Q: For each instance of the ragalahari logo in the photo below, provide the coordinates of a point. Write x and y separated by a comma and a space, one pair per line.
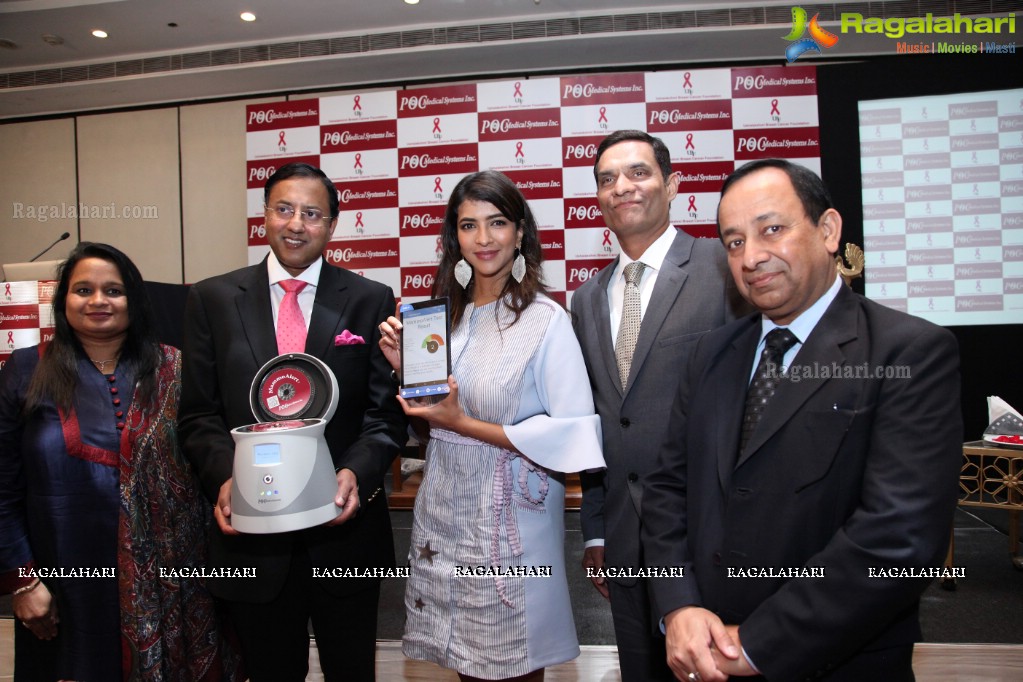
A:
818, 36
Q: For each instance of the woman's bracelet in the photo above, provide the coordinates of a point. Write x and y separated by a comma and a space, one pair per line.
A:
26, 588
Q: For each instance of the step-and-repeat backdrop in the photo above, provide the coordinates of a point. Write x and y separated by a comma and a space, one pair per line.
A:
26, 315
395, 156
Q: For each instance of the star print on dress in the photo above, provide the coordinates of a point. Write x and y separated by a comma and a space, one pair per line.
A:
427, 553
420, 604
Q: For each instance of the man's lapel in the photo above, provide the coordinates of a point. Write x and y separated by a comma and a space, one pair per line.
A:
601, 311
728, 394
666, 290
328, 311
819, 356
256, 314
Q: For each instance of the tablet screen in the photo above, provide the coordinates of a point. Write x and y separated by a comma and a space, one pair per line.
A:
425, 360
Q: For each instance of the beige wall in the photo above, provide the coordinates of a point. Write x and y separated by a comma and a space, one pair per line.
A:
128, 173
212, 182
38, 191
163, 185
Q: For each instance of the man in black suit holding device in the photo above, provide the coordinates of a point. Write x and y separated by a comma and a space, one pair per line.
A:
237, 322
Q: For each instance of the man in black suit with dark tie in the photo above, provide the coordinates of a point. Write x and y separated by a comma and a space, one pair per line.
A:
784, 494
233, 326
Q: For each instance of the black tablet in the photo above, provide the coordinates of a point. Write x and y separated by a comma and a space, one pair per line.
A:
425, 358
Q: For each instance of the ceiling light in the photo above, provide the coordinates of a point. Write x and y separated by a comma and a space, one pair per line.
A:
52, 40
411, 2
99, 33
248, 16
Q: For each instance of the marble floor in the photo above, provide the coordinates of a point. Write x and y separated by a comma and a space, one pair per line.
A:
932, 662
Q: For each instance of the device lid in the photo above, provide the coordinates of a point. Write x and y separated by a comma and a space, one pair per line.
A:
291, 387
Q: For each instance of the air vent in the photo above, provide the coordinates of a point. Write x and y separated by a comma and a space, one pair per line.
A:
384, 41
523, 30
496, 32
286, 51
589, 25
490, 33
713, 17
676, 20
314, 48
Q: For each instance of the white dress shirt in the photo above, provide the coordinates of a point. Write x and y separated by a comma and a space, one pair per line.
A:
653, 259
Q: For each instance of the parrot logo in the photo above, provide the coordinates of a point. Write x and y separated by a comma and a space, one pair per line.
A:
818, 36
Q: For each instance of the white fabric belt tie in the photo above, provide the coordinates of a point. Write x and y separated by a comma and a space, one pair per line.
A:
502, 509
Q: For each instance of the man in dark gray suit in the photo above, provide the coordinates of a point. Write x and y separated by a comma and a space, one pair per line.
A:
681, 290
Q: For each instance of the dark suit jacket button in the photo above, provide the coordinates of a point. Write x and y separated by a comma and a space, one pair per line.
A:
624, 422
717, 558
633, 477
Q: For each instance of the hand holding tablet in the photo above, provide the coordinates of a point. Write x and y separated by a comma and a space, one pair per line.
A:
425, 355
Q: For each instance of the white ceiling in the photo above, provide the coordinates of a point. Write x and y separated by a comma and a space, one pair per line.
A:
138, 29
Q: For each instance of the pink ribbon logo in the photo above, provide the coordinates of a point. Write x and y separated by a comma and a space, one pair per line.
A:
689, 141
436, 185
686, 83
358, 219
518, 150
603, 117
358, 161
518, 89
692, 202
10, 338
436, 125
774, 107
280, 138
357, 106
607, 238
7, 288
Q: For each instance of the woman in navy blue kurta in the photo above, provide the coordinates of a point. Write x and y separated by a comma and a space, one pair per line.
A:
96, 497
61, 490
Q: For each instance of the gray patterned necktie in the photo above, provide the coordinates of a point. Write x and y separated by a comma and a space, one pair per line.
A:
632, 315
765, 380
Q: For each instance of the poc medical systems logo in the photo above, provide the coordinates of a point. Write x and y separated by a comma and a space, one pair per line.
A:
818, 36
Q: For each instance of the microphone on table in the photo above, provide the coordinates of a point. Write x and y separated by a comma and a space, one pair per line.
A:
55, 242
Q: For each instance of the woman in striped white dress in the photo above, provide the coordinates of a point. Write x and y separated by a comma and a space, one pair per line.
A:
488, 595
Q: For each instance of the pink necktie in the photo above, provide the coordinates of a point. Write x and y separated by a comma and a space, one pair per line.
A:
290, 323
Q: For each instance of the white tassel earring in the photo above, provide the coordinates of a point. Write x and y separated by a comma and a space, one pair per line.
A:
463, 273
519, 266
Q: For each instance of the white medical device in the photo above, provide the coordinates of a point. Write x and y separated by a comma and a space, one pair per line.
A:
284, 477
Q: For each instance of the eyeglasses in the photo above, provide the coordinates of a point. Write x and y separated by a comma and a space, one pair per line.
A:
311, 217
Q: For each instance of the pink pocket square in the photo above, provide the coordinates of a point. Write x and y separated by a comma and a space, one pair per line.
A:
346, 338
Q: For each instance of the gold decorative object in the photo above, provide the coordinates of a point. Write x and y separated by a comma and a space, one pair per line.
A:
854, 257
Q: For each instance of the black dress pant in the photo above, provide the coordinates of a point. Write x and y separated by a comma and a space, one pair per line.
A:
274, 635
641, 654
